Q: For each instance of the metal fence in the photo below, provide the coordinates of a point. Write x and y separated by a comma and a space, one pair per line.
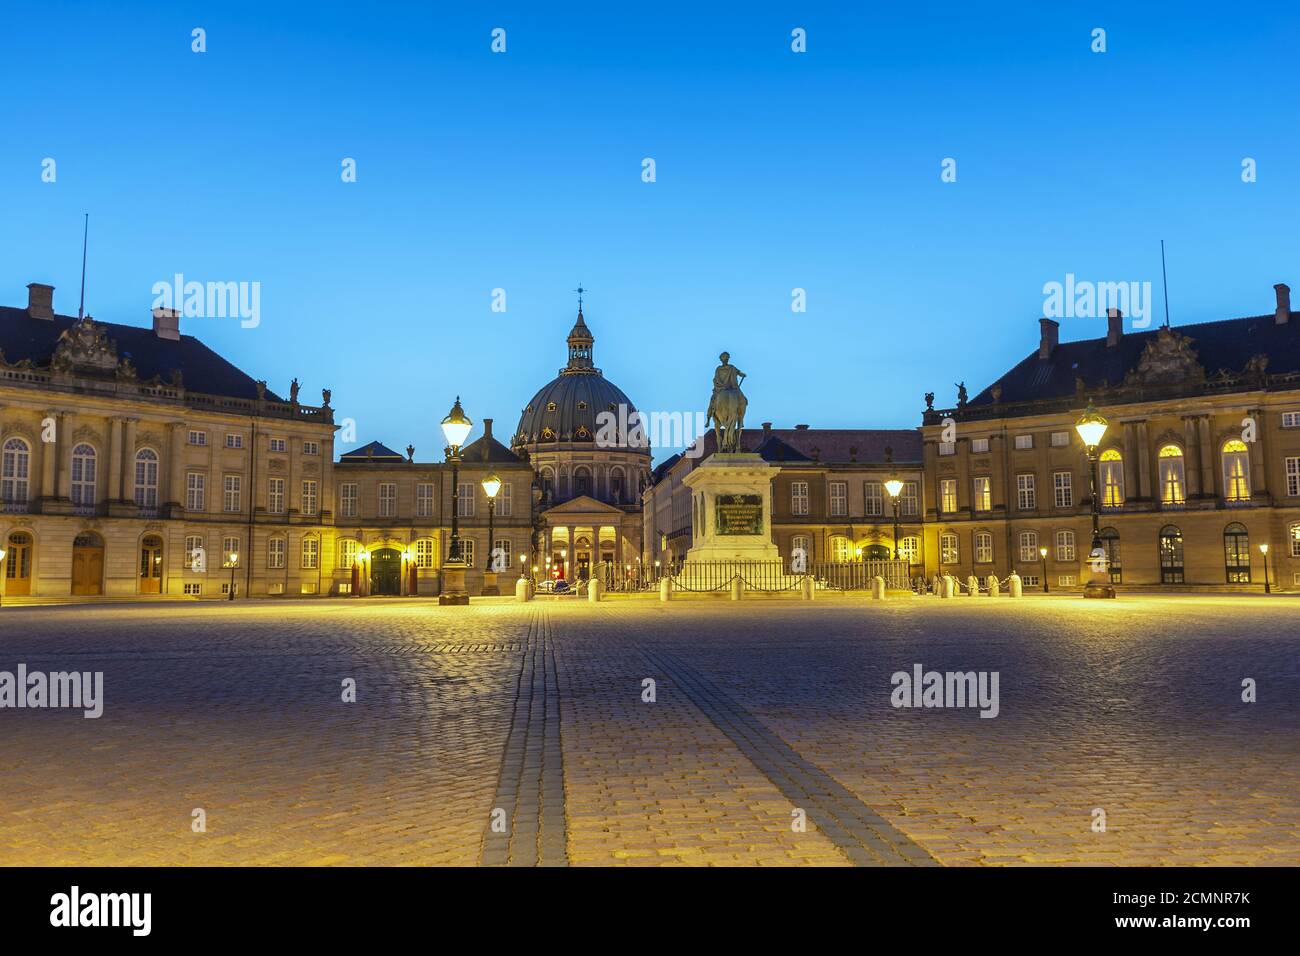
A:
771, 576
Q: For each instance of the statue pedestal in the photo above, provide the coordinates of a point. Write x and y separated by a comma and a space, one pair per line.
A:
731, 509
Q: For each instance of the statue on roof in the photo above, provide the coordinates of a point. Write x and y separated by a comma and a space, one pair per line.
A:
961, 394
727, 405
293, 391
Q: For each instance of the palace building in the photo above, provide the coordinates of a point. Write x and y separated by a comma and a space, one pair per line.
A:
1199, 465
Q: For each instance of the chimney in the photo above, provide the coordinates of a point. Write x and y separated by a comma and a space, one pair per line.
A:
1283, 314
801, 428
40, 301
167, 324
487, 428
1114, 327
1049, 334
767, 430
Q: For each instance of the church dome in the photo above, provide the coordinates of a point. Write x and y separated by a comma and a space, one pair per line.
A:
563, 412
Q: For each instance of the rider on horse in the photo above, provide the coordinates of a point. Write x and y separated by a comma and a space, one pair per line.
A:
728, 420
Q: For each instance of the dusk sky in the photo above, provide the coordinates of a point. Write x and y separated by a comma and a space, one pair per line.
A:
775, 170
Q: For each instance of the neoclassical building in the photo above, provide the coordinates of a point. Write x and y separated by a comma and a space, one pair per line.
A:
590, 486
1200, 464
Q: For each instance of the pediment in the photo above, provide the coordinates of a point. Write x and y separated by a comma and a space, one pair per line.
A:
584, 505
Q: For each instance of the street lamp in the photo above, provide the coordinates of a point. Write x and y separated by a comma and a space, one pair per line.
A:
233, 561
1091, 426
491, 485
895, 488
1263, 549
1042, 554
456, 428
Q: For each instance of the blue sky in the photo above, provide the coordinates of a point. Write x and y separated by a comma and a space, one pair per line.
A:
522, 171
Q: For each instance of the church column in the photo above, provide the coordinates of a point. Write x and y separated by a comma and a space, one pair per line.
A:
113, 463
128, 459
1194, 454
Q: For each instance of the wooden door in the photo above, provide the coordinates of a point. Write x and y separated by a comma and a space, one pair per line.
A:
151, 566
87, 570
18, 565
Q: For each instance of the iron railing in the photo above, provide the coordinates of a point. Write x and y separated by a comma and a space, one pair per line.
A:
770, 576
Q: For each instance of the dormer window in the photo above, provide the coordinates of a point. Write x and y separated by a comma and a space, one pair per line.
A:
550, 406
582, 406
583, 433
548, 434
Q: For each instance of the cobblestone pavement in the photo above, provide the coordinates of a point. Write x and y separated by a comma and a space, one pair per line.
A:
520, 734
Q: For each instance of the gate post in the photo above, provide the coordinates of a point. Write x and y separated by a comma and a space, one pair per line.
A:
878, 588
1014, 585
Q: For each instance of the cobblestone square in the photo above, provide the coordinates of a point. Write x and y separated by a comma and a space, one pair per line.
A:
533, 717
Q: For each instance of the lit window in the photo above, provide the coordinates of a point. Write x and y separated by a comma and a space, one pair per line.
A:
983, 489
1295, 540
840, 548
195, 556
909, 549
1236, 470
501, 555
983, 547
948, 495
310, 553
1236, 553
1065, 546
800, 552
230, 552
1171, 475
467, 551
1112, 478
947, 548
425, 555
348, 548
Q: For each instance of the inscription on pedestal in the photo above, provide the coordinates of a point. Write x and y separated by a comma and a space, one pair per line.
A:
739, 514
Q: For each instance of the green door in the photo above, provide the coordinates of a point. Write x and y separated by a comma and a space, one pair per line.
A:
386, 571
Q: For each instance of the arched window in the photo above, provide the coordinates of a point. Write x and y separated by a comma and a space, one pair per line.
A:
1112, 478
1110, 547
616, 485
1236, 553
1171, 555
426, 554
841, 549
146, 478
1236, 470
948, 552
801, 550
83, 476
581, 482
909, 549
15, 467
1065, 546
1172, 478
548, 483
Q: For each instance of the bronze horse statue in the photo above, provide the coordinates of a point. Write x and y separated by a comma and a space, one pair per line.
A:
727, 406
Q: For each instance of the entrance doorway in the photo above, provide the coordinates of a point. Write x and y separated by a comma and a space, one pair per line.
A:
386, 571
88, 564
151, 564
18, 564
877, 552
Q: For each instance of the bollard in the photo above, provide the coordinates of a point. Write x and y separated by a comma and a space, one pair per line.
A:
878, 588
666, 589
594, 589
737, 588
522, 592
973, 583
995, 588
947, 586
806, 587
1013, 585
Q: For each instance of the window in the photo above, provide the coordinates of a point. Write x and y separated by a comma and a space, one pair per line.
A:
983, 493
1236, 553
195, 555
467, 551
1026, 497
348, 499
275, 549
425, 555
310, 553
348, 549
1066, 580
910, 497
196, 491
909, 549
947, 448
1295, 540
1236, 470
1029, 580
192, 588
501, 555
198, 437
948, 495
841, 550
1065, 546
799, 497
1029, 546
1171, 476
800, 552
1060, 439
1063, 489
1291, 419
234, 441
979, 446
14, 469
616, 485
311, 448
1112, 478
83, 476
1171, 554
423, 499
387, 499
230, 552
1293, 476
948, 548
839, 499
146, 478
231, 488
1024, 441
1110, 549
871, 496
309, 487
279, 444
504, 499
465, 499
581, 481
275, 496
983, 547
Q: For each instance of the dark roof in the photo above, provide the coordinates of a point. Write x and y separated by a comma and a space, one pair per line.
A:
665, 466
203, 370
829, 445
488, 449
1226, 344
374, 451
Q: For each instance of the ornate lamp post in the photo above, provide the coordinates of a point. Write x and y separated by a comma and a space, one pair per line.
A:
895, 488
1263, 549
491, 485
232, 562
1091, 427
1042, 555
456, 428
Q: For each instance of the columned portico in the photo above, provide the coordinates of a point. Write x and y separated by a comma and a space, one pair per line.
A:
588, 531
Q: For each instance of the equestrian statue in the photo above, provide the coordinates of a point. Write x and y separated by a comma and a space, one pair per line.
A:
727, 406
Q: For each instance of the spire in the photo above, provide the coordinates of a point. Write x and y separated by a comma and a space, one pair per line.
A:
580, 341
